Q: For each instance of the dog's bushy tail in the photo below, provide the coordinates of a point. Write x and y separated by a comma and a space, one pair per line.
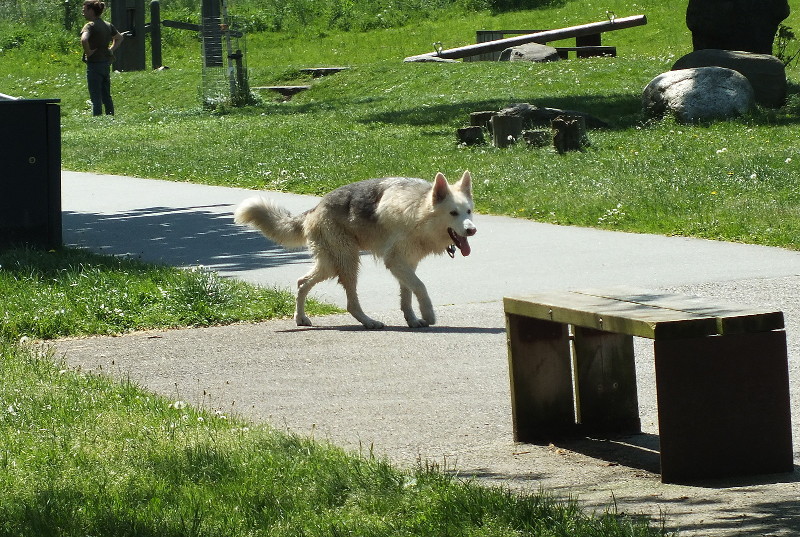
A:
273, 221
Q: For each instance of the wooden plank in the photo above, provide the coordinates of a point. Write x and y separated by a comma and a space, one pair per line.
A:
723, 406
612, 315
606, 382
540, 371
731, 317
646, 313
317, 72
539, 37
286, 91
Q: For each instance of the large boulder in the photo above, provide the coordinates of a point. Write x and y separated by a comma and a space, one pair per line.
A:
766, 73
530, 52
747, 25
699, 94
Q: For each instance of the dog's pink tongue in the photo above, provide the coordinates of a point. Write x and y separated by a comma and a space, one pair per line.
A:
463, 245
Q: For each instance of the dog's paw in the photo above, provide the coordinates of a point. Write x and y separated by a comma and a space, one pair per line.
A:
302, 320
417, 323
372, 324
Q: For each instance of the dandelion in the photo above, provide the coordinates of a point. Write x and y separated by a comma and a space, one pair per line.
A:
723, 150
788, 160
753, 176
11, 410
178, 405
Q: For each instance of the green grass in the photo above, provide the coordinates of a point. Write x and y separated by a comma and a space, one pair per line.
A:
45, 295
729, 180
80, 455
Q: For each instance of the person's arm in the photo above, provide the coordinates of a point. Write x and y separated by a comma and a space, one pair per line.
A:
87, 50
116, 41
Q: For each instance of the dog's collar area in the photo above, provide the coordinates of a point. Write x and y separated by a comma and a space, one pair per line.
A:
451, 251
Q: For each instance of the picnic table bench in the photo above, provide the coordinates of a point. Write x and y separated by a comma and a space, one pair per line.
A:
721, 371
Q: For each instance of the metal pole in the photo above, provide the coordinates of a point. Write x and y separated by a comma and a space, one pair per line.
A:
538, 37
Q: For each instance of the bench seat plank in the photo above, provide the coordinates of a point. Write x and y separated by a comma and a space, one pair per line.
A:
643, 313
731, 317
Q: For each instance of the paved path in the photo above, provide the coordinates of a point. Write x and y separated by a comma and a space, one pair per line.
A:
439, 394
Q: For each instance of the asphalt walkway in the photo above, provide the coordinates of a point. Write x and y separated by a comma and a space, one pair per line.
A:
439, 394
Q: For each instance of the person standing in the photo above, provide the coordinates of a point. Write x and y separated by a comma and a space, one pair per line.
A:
99, 41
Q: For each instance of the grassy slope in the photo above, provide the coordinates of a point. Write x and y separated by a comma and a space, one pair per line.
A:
731, 180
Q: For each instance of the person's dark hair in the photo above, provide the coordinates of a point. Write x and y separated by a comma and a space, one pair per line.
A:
96, 6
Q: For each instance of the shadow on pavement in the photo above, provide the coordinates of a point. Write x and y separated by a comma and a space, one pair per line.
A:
204, 235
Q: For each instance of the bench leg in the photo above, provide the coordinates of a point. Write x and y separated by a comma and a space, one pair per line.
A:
606, 382
723, 406
540, 370
587, 41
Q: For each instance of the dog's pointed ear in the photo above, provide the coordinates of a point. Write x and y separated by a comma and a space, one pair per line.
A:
440, 188
464, 184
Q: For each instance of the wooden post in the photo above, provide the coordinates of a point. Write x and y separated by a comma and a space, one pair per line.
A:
505, 130
155, 34
470, 135
569, 133
537, 138
482, 119
540, 371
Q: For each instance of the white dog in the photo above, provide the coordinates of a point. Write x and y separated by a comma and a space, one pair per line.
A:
398, 219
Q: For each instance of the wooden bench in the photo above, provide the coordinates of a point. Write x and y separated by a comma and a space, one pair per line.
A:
586, 46
721, 373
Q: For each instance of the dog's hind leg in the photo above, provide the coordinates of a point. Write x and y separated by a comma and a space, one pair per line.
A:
304, 285
341, 258
349, 279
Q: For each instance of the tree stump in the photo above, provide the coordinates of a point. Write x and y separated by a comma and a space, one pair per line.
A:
482, 119
569, 133
505, 130
470, 135
537, 138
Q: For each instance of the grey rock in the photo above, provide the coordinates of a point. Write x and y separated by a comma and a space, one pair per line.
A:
530, 52
698, 94
766, 73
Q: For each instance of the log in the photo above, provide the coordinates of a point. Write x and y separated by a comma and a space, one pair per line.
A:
482, 119
538, 37
569, 133
505, 130
537, 138
472, 135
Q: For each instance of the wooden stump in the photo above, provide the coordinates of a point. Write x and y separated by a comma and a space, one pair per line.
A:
569, 133
482, 119
537, 138
505, 130
470, 135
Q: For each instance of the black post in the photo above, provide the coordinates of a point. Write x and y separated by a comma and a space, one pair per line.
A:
155, 33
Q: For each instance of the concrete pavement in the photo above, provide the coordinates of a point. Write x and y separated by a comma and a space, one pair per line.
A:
186, 225
439, 394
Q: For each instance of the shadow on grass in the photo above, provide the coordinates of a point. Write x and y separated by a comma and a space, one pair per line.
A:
620, 111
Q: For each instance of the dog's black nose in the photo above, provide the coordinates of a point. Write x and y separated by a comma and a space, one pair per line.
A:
471, 231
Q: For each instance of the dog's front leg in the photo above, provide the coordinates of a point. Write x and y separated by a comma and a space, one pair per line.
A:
410, 283
408, 310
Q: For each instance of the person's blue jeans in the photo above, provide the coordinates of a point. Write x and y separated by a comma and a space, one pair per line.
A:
98, 78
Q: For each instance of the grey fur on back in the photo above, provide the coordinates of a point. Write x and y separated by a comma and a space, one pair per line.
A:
360, 200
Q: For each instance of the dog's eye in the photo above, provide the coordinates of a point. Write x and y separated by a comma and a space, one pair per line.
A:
453, 213
469, 211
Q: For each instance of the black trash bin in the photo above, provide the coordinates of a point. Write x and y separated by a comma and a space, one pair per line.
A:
30, 173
